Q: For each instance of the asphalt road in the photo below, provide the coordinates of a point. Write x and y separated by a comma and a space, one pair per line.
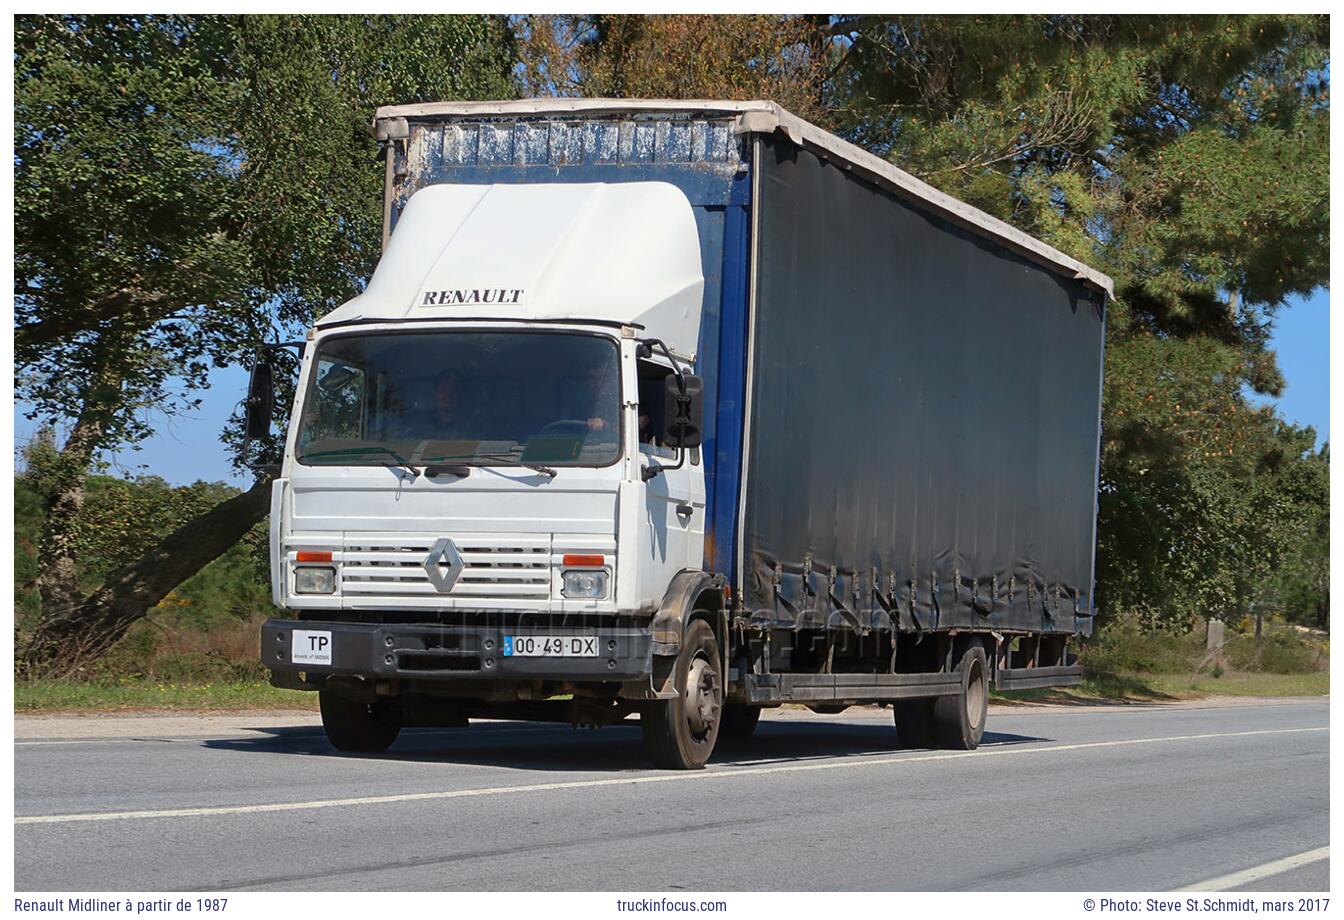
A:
1111, 798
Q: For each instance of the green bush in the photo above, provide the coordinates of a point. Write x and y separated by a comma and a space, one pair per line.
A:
1283, 651
208, 667
1124, 647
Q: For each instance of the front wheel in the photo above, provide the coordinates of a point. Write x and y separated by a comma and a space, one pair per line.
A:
679, 734
362, 728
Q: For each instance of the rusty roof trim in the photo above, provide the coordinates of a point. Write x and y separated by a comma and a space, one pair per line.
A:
765, 117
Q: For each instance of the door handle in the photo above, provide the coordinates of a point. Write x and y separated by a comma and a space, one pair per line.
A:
684, 510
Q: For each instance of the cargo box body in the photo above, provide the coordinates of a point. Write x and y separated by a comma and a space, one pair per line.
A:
902, 394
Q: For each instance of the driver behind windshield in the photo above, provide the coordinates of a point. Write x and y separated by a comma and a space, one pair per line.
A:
444, 420
600, 401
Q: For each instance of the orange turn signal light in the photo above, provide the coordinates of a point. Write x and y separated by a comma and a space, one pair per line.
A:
580, 560
310, 556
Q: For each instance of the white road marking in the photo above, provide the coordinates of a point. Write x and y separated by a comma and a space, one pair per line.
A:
1255, 873
94, 741
643, 779
313, 732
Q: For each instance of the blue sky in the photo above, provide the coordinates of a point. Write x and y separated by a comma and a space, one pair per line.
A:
1302, 340
187, 448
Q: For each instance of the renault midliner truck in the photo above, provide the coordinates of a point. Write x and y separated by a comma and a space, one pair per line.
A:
681, 410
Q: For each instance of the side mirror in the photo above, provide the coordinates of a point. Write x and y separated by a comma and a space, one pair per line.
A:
683, 413
260, 400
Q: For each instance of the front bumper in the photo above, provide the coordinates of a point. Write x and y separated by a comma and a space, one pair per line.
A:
434, 652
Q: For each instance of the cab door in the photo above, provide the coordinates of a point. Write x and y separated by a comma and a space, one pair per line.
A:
673, 525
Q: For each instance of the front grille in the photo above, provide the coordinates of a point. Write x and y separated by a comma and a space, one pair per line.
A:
505, 620
517, 568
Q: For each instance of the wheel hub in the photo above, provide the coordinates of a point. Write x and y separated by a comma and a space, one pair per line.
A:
702, 697
977, 696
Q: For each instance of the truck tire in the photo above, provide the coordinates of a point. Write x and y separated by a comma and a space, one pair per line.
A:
739, 721
959, 721
356, 727
679, 734
914, 722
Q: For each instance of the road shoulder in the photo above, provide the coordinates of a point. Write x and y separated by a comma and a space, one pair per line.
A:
242, 723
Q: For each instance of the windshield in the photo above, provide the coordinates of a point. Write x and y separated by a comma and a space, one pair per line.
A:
490, 398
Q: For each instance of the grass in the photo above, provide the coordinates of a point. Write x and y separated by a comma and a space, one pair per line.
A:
1137, 688
1245, 683
49, 696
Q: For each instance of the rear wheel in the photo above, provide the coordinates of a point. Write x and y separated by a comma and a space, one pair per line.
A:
739, 721
365, 728
679, 734
959, 721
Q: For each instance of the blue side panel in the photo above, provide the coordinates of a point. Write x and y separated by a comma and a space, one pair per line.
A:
723, 453
703, 158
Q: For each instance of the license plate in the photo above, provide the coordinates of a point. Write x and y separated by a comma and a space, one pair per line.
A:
550, 647
310, 647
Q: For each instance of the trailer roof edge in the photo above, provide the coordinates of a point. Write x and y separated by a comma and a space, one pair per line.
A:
764, 117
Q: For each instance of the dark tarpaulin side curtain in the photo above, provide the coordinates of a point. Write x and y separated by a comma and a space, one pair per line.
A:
924, 414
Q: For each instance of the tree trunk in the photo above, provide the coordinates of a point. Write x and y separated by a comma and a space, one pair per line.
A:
127, 308
57, 582
63, 643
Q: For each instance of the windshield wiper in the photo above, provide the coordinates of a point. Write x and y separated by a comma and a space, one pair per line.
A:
515, 461
343, 451
514, 458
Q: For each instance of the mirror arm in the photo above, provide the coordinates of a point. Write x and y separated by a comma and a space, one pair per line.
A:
654, 467
646, 350
269, 347
646, 346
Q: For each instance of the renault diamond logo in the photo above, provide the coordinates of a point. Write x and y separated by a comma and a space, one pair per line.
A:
443, 565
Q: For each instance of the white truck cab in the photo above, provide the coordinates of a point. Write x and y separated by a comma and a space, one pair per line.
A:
480, 479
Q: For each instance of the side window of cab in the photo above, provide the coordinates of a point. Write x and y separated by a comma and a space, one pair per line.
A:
652, 377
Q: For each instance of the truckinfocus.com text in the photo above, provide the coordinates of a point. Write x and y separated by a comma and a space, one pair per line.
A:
659, 905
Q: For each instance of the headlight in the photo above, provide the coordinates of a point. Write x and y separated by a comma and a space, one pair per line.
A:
581, 583
311, 579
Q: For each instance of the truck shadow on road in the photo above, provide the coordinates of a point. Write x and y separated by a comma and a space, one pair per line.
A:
559, 748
